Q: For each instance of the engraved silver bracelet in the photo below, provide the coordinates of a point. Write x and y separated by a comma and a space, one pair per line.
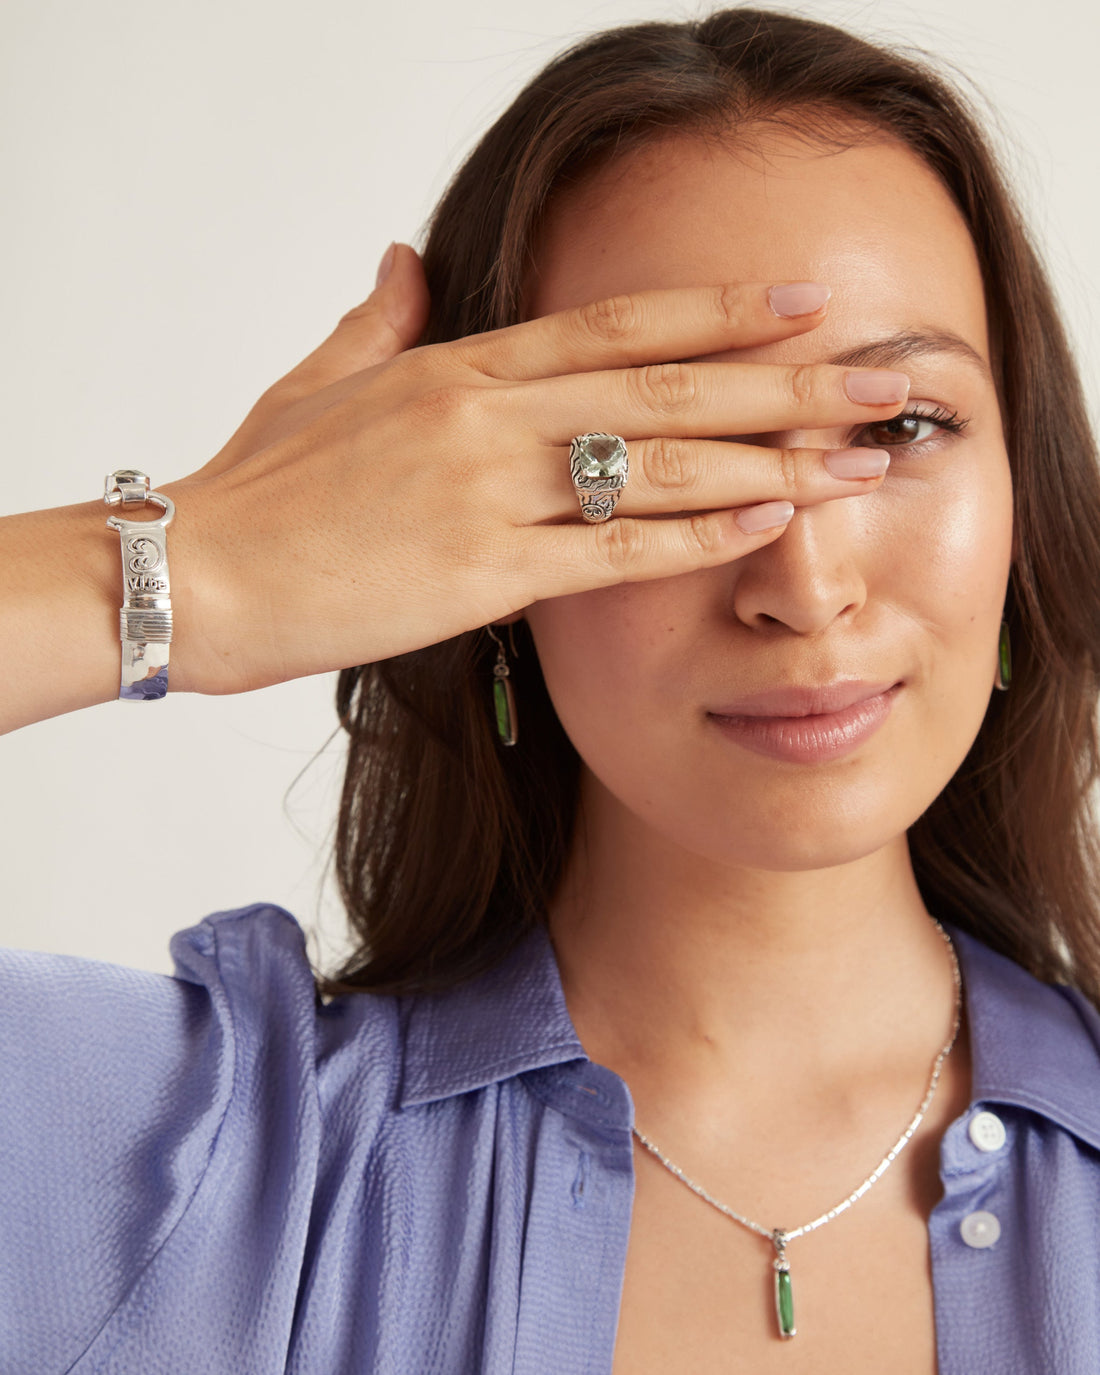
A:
145, 618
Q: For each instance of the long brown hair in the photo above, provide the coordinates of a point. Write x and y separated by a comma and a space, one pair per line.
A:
448, 846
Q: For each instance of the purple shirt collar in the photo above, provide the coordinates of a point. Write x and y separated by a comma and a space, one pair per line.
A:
1032, 1044
507, 1021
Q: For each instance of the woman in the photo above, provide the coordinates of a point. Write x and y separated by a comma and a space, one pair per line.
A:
754, 872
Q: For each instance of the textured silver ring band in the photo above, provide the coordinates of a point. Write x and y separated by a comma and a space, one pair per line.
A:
599, 468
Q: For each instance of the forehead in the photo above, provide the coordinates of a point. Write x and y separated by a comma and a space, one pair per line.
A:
871, 220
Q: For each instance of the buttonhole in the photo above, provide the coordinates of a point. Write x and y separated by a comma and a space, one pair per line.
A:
580, 1182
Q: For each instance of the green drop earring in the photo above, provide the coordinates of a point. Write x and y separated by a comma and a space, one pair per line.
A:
1004, 660
504, 699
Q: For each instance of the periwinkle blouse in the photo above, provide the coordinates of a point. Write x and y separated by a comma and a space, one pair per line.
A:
210, 1173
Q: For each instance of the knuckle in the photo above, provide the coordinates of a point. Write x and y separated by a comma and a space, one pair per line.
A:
790, 469
449, 404
666, 388
611, 319
620, 544
803, 382
282, 393
665, 465
359, 312
731, 305
420, 365
702, 537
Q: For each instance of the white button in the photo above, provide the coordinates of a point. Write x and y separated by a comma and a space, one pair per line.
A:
980, 1230
987, 1131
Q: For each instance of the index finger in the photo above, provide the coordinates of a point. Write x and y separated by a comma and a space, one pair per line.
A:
646, 327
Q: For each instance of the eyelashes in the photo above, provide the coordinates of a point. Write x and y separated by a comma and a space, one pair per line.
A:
896, 433
904, 431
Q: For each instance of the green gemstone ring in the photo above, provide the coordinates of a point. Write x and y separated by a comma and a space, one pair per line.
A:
598, 466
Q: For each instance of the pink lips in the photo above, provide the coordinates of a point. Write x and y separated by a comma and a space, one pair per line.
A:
808, 725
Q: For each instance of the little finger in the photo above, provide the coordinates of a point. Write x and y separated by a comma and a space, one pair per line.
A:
566, 559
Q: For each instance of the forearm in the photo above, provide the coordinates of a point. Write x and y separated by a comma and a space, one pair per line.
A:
60, 590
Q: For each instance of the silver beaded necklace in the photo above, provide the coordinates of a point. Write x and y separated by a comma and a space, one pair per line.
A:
780, 1236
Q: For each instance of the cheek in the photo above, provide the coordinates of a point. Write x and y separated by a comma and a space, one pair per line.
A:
945, 570
605, 654
950, 539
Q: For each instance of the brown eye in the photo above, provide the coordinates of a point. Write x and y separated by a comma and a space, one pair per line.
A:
903, 429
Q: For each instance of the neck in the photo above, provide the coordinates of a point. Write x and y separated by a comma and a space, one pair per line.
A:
690, 977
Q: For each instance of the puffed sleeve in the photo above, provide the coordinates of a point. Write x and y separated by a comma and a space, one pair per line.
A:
158, 1150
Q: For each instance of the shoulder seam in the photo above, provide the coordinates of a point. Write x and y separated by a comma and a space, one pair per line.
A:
215, 1138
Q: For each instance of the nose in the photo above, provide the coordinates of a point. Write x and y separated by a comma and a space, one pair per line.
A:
811, 575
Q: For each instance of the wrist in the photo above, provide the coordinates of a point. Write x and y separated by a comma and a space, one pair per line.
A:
210, 626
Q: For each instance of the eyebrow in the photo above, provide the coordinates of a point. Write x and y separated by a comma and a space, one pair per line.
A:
899, 348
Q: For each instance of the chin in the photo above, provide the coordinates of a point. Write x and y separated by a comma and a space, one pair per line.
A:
802, 851
795, 828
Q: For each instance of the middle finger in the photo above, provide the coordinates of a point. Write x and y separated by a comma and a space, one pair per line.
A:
706, 399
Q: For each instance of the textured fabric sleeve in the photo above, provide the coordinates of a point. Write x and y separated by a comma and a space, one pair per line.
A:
158, 1146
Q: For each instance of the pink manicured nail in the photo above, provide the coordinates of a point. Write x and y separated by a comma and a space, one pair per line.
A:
753, 519
385, 265
857, 462
876, 388
798, 298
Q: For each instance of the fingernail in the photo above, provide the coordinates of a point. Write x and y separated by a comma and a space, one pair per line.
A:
857, 462
876, 388
798, 298
764, 517
385, 265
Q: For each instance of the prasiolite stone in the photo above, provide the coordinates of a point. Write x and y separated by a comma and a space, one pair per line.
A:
601, 456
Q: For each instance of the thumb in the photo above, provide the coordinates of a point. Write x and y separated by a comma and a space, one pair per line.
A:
389, 321
393, 316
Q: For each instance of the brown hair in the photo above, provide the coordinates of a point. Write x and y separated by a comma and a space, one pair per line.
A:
449, 847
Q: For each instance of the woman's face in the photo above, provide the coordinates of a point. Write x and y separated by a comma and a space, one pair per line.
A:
903, 585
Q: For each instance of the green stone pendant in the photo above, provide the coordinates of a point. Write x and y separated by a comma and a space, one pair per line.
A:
505, 703
784, 1299
1004, 657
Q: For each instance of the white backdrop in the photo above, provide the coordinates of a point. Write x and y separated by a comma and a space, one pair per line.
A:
195, 191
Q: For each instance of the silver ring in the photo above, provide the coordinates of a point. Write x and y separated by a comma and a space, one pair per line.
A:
599, 469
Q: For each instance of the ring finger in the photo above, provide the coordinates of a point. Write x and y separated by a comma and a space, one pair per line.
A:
671, 475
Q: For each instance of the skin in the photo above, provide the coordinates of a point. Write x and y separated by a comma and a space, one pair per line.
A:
742, 939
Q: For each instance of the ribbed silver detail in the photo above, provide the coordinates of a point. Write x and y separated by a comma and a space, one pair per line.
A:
140, 626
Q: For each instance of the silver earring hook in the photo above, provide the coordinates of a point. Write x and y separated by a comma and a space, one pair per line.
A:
511, 638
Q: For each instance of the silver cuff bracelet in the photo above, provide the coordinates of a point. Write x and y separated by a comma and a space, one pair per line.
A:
145, 618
